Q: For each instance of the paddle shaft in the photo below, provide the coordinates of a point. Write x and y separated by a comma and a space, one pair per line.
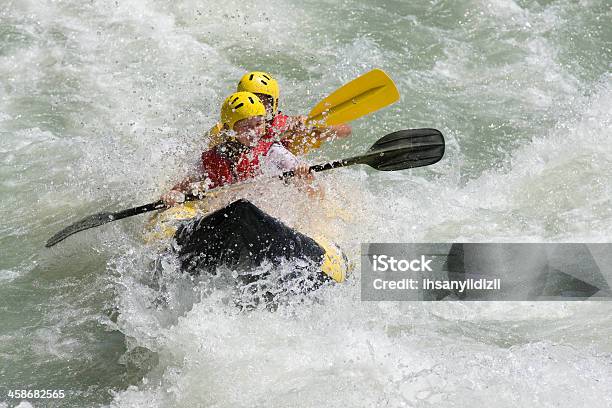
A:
326, 166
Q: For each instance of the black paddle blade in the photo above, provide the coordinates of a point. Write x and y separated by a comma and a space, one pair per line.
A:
102, 218
88, 222
405, 149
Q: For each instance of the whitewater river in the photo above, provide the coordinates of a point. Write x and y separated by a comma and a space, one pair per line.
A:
103, 106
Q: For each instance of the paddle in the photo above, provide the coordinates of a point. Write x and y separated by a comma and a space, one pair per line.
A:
363, 95
404, 149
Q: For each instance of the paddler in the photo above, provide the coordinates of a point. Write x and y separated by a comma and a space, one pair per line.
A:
246, 152
293, 132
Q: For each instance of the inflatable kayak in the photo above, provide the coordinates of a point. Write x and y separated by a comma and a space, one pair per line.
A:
242, 237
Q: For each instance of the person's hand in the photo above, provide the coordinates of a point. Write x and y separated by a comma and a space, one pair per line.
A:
173, 197
298, 123
302, 172
342, 130
305, 180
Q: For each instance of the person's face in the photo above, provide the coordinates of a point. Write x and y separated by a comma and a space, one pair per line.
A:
250, 130
268, 103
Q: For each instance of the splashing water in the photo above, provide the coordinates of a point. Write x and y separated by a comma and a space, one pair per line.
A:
104, 105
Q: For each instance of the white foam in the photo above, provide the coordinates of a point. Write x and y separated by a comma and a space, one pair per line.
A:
8, 275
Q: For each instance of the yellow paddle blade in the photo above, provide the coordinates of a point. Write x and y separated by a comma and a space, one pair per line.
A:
363, 95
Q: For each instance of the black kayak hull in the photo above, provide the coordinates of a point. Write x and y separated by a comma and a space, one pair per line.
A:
242, 238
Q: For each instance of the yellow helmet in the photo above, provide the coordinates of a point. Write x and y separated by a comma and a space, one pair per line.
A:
241, 105
260, 82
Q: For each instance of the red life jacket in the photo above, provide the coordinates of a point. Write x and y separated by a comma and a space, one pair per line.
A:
222, 168
276, 127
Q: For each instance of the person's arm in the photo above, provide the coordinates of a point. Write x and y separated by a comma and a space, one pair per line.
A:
213, 171
302, 137
279, 160
176, 195
305, 179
